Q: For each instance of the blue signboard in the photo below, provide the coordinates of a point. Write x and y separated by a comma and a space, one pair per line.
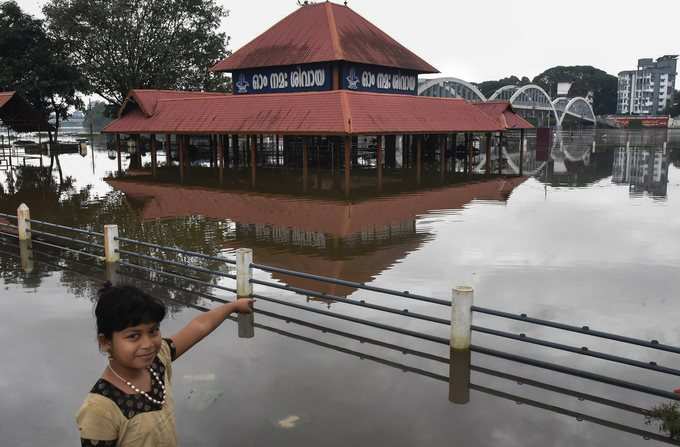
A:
369, 78
294, 78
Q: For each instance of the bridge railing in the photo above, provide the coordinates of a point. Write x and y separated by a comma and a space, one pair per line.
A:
245, 281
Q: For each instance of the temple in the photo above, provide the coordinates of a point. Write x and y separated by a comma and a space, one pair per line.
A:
322, 86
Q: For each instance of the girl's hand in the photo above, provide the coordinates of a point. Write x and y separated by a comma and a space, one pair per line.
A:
244, 305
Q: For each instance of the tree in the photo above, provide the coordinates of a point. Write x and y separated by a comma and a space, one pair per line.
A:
96, 116
584, 79
121, 45
489, 87
36, 66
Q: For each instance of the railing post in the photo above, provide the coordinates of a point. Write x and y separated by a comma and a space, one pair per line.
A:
244, 289
26, 254
24, 222
111, 243
461, 331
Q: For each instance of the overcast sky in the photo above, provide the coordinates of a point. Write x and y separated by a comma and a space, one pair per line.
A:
490, 39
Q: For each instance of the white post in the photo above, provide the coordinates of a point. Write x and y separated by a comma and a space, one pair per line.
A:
461, 317
594, 146
244, 289
23, 222
244, 272
111, 243
461, 326
26, 253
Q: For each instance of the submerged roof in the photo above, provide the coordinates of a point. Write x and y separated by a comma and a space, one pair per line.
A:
337, 112
323, 32
16, 113
503, 113
146, 100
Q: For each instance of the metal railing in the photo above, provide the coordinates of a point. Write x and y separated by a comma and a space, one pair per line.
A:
524, 381
244, 287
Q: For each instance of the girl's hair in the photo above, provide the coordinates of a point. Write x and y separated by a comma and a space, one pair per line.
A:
120, 307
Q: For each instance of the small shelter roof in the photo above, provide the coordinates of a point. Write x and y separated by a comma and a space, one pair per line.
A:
19, 115
504, 114
323, 32
336, 112
146, 100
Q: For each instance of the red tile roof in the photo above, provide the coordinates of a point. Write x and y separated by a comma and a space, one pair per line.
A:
338, 112
5, 97
146, 100
504, 114
320, 33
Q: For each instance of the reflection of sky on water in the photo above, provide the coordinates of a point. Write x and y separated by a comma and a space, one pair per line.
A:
578, 253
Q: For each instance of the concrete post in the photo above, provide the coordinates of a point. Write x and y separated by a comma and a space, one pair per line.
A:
461, 317
23, 222
244, 289
26, 254
111, 243
461, 327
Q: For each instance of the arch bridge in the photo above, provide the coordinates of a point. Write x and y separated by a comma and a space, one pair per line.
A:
531, 100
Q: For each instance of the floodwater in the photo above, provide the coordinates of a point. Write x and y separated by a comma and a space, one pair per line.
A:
588, 236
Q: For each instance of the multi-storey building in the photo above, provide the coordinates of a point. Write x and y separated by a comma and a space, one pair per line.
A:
649, 89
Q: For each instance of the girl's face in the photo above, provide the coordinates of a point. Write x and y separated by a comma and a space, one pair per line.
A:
135, 347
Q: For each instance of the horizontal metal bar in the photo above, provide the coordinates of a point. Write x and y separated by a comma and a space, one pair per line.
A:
352, 284
65, 238
521, 337
382, 326
576, 372
174, 275
581, 351
176, 250
362, 303
9, 226
176, 264
11, 216
63, 227
59, 247
654, 344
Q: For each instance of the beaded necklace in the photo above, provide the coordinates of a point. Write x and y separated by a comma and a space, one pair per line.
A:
143, 393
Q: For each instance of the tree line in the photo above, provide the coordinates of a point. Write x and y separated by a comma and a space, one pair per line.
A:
103, 47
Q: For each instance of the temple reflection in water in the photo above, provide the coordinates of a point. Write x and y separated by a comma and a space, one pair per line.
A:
350, 239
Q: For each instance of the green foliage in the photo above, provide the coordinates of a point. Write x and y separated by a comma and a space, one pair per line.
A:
674, 108
96, 116
667, 418
584, 78
160, 44
35, 65
489, 87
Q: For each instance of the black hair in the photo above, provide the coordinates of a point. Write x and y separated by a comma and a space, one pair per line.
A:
121, 307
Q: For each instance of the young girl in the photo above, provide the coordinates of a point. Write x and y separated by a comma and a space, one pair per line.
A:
131, 404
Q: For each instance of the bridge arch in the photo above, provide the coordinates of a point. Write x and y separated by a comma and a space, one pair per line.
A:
504, 92
457, 88
532, 96
580, 108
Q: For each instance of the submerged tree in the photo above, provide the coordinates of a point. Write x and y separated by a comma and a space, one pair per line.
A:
34, 64
121, 45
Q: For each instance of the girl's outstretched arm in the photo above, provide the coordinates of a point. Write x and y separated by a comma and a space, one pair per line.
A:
207, 322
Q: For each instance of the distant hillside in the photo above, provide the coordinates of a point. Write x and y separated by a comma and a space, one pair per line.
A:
584, 77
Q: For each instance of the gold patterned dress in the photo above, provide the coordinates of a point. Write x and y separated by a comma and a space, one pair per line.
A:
109, 417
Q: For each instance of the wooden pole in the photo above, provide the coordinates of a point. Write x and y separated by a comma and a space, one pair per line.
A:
168, 149
419, 153
442, 154
500, 153
305, 167
153, 155
521, 151
488, 154
454, 144
348, 163
379, 161
220, 155
181, 140
253, 160
118, 151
